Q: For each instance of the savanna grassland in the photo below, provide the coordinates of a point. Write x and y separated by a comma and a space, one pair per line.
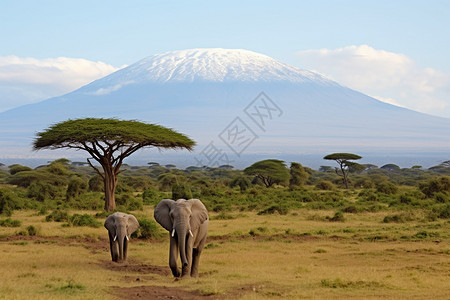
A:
387, 236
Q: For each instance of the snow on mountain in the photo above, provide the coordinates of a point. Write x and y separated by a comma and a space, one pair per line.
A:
208, 93
214, 65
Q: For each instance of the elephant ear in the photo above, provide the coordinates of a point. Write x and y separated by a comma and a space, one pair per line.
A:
162, 213
199, 213
133, 224
109, 224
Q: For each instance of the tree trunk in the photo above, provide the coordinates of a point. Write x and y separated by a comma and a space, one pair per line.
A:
110, 180
344, 174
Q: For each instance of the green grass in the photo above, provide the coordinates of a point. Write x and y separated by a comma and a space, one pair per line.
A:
247, 256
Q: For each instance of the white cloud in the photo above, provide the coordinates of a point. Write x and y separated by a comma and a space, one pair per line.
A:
28, 80
110, 89
390, 77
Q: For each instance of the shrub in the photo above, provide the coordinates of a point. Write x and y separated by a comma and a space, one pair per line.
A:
181, 191
9, 202
10, 223
338, 217
32, 230
441, 184
96, 184
129, 202
148, 229
149, 196
41, 191
29, 231
387, 188
13, 169
242, 182
277, 208
299, 176
84, 220
441, 197
89, 200
75, 188
325, 185
443, 211
364, 183
57, 216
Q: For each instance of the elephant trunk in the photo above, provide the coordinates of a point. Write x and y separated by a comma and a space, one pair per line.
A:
122, 241
182, 236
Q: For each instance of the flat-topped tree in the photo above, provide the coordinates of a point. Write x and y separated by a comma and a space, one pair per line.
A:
269, 171
343, 159
109, 142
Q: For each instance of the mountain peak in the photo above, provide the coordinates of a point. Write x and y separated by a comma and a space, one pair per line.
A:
213, 65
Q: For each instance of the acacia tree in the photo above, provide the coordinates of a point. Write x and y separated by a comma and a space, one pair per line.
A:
343, 159
270, 171
109, 142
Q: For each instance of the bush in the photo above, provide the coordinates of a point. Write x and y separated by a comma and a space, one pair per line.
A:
443, 211
13, 169
84, 220
57, 216
129, 202
441, 184
149, 196
9, 202
32, 230
29, 231
96, 184
242, 182
10, 223
181, 191
90, 201
338, 217
41, 191
75, 188
148, 229
441, 197
387, 188
277, 208
325, 185
365, 183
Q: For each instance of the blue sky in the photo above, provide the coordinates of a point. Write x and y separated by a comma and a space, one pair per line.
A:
396, 51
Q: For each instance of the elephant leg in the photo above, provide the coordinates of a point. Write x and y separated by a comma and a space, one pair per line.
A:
125, 249
186, 271
113, 247
196, 257
195, 260
173, 255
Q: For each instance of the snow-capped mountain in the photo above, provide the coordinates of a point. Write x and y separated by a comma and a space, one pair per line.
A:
211, 65
240, 102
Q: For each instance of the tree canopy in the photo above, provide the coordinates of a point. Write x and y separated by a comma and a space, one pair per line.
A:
270, 171
342, 156
343, 159
109, 142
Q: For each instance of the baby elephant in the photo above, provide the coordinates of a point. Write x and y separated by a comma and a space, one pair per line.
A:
120, 226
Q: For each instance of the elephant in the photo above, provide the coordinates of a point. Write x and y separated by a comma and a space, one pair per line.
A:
120, 226
187, 223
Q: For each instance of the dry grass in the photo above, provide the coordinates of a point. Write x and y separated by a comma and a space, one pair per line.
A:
296, 256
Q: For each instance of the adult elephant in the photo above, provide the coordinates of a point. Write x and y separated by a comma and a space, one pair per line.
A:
187, 222
120, 226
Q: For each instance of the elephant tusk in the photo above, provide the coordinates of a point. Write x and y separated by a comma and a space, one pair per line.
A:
115, 238
190, 232
127, 237
173, 232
